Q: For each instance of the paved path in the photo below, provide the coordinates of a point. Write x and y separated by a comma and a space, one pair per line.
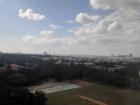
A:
93, 100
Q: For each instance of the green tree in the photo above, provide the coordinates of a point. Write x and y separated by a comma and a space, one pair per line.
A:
16, 79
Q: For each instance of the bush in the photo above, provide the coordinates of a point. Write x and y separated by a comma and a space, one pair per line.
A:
21, 97
16, 79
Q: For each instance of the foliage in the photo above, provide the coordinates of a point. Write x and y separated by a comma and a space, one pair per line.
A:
18, 96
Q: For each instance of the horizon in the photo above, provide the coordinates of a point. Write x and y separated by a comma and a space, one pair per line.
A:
53, 54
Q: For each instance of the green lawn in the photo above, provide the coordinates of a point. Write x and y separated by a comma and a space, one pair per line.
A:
110, 95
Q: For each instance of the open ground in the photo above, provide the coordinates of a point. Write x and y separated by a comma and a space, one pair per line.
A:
95, 94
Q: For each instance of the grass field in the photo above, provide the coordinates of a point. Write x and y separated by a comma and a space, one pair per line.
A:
107, 94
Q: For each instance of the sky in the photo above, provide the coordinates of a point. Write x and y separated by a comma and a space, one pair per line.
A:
90, 27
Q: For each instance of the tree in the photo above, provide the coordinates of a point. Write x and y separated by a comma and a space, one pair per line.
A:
16, 79
19, 96
39, 98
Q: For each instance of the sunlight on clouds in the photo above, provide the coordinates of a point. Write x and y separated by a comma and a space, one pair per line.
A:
121, 24
84, 18
29, 14
115, 26
115, 4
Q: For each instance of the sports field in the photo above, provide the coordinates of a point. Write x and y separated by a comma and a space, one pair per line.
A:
95, 94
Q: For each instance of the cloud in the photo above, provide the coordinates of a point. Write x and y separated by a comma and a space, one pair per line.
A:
15, 45
49, 38
55, 27
109, 4
70, 21
29, 14
84, 18
119, 27
115, 26
44, 37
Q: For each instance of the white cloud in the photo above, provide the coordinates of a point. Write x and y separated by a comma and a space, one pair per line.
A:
115, 26
55, 27
120, 27
29, 14
49, 38
47, 32
84, 18
70, 21
115, 4
44, 37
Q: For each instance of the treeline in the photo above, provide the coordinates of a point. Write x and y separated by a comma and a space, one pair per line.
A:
20, 96
13, 83
61, 72
13, 92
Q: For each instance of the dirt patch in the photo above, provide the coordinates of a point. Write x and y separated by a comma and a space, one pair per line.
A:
93, 100
81, 82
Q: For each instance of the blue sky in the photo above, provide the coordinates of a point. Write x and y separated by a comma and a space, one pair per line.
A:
56, 12
70, 26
